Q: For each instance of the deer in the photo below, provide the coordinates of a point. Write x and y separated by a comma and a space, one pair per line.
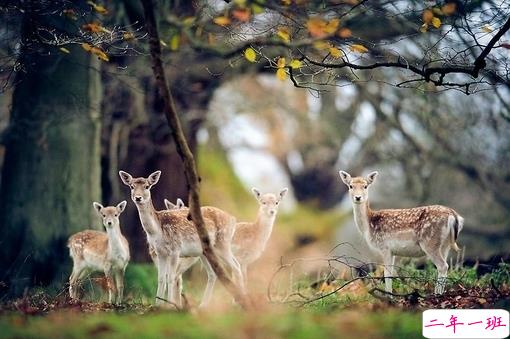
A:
107, 252
250, 238
172, 236
429, 231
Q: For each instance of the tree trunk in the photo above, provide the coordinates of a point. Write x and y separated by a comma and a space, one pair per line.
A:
51, 173
185, 153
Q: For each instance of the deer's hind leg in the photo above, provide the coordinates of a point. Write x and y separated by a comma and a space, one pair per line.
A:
436, 255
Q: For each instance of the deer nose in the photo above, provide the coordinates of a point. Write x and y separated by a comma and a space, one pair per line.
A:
109, 223
272, 212
138, 198
357, 198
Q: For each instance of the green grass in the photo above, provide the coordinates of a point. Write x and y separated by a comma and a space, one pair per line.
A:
275, 324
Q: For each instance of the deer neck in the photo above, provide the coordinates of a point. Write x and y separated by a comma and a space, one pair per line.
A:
264, 225
149, 218
115, 244
362, 216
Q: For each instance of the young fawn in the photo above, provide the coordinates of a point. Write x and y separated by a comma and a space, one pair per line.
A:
172, 236
250, 238
410, 232
99, 251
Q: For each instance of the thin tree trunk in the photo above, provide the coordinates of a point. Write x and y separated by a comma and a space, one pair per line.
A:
185, 153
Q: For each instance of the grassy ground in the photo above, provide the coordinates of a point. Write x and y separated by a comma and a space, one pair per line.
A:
350, 312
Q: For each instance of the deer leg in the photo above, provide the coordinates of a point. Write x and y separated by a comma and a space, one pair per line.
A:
162, 268
389, 261
229, 259
110, 282
73, 282
436, 256
119, 282
171, 276
211, 280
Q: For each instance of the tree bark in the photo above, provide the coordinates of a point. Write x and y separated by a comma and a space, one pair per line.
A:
51, 172
185, 153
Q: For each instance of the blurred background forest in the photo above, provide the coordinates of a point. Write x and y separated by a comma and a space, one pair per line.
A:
71, 118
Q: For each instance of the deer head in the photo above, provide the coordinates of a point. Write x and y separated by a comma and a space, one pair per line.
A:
358, 186
171, 206
110, 214
140, 187
269, 202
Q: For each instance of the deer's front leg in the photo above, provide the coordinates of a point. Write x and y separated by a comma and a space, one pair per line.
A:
171, 276
119, 282
162, 268
110, 282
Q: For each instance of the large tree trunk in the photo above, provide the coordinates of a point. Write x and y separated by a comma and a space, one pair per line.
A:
51, 171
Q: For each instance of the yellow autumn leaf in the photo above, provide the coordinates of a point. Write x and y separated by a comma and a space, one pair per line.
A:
188, 21
487, 29
240, 3
250, 54
95, 27
321, 44
436, 22
332, 26
257, 9
128, 36
335, 52
98, 8
286, 2
175, 42
281, 74
317, 27
281, 62
96, 51
221, 20
358, 48
295, 64
284, 33
427, 16
86, 46
64, 50
449, 8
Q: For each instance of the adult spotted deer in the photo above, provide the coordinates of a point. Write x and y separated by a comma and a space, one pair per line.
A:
99, 251
410, 232
172, 235
251, 238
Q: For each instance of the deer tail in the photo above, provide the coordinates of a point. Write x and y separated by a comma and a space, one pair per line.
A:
455, 224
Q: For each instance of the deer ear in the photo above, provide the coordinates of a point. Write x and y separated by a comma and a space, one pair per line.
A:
169, 205
346, 177
283, 192
125, 177
154, 177
256, 192
180, 203
98, 207
121, 206
371, 177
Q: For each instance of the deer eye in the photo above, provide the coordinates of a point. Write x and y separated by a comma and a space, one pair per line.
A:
277, 202
146, 187
350, 187
365, 187
116, 215
132, 187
